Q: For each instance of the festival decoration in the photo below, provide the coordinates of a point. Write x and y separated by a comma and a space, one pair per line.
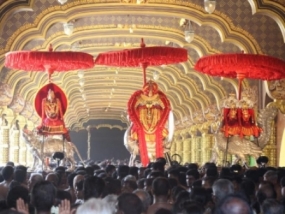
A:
149, 111
51, 105
143, 56
48, 61
241, 65
239, 118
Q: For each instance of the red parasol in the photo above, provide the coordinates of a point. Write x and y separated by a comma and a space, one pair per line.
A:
143, 56
242, 66
48, 61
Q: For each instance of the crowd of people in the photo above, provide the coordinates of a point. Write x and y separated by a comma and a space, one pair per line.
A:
155, 189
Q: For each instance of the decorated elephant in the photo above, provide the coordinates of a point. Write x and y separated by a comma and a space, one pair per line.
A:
151, 124
241, 147
51, 144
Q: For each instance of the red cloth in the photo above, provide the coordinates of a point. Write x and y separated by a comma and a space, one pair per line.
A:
51, 125
151, 56
243, 124
138, 127
248, 65
55, 61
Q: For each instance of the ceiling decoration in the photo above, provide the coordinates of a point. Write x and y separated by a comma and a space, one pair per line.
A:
101, 93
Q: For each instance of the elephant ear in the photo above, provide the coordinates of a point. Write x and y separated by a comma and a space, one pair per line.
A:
265, 119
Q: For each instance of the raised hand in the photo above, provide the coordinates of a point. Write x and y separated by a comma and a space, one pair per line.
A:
64, 207
22, 207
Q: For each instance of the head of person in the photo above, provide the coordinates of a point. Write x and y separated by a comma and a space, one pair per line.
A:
129, 186
34, 178
53, 178
222, 188
270, 206
191, 176
93, 187
129, 203
77, 179
110, 169
123, 171
94, 205
43, 196
145, 198
160, 187
70, 178
14, 194
233, 204
158, 166
20, 176
7, 173
207, 182
271, 176
265, 191
62, 195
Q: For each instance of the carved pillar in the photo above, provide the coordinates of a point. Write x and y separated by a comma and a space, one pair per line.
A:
4, 148
179, 144
206, 143
173, 145
194, 145
187, 151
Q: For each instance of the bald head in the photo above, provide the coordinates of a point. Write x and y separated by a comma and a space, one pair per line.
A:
233, 204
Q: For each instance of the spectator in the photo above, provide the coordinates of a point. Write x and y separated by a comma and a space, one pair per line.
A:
233, 204
222, 188
7, 173
129, 203
160, 190
43, 196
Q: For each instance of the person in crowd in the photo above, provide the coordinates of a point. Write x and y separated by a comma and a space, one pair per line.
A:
7, 173
122, 171
233, 204
222, 188
70, 188
20, 178
129, 203
272, 177
160, 190
110, 169
129, 186
272, 206
93, 188
43, 197
53, 178
145, 199
94, 205
207, 182
191, 176
14, 194
34, 178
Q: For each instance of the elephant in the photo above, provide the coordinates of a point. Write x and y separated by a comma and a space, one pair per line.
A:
51, 144
133, 146
241, 147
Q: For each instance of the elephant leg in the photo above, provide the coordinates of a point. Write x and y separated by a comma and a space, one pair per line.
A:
132, 159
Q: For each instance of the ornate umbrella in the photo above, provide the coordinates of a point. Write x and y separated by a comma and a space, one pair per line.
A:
143, 56
240, 66
48, 61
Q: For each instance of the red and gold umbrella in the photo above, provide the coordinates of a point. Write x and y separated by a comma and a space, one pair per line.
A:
143, 57
49, 61
240, 66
